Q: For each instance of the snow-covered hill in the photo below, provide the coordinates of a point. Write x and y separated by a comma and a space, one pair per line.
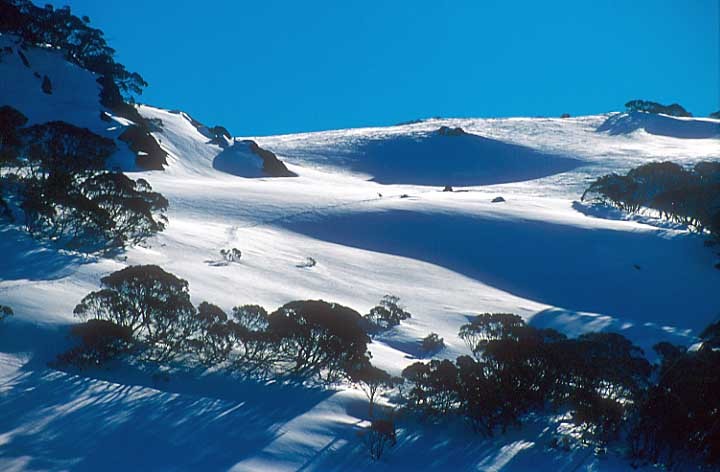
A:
368, 206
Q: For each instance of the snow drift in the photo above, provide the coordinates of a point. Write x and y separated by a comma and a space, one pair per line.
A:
661, 125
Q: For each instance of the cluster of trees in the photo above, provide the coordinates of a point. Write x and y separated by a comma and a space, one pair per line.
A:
387, 314
515, 369
81, 44
677, 419
54, 174
687, 196
668, 414
307, 339
601, 379
656, 108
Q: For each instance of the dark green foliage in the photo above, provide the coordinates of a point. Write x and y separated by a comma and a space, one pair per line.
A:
432, 343
59, 147
371, 380
154, 304
434, 388
379, 437
65, 193
212, 342
220, 131
654, 107
319, 338
5, 311
101, 341
517, 369
134, 211
689, 197
386, 314
79, 42
11, 120
489, 326
678, 420
254, 346
243, 342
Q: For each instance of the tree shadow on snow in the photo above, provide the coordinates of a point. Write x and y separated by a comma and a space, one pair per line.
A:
57, 420
450, 444
25, 258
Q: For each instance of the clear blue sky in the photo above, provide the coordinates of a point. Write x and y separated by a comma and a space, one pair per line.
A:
269, 66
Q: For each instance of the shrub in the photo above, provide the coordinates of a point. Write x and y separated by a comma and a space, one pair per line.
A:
212, 341
5, 312
101, 341
318, 338
154, 304
80, 43
371, 380
254, 346
11, 120
688, 197
134, 211
432, 343
677, 419
231, 255
448, 131
517, 369
379, 436
487, 327
64, 191
654, 107
434, 387
386, 314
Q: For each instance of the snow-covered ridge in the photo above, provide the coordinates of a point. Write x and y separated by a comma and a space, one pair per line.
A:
368, 206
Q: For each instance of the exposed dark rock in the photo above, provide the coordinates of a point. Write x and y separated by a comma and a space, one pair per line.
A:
448, 188
565, 115
498, 200
104, 116
150, 155
218, 131
447, 131
271, 164
410, 122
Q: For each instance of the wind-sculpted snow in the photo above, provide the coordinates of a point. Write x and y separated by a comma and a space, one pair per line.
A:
75, 92
237, 159
622, 271
661, 125
429, 158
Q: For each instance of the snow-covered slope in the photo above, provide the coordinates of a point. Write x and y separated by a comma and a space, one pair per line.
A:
368, 206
